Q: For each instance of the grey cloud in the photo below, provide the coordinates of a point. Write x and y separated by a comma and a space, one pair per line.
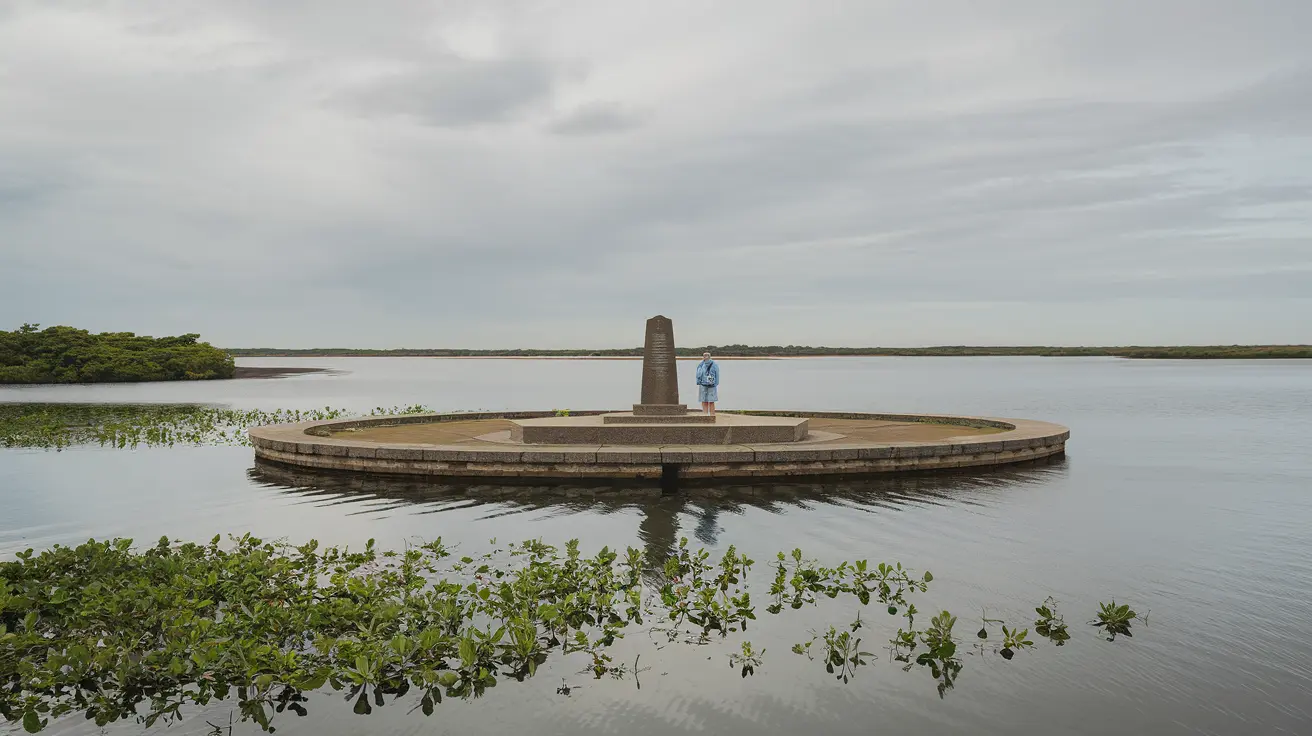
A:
458, 92
595, 119
971, 171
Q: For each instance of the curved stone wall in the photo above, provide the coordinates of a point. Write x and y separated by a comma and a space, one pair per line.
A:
308, 444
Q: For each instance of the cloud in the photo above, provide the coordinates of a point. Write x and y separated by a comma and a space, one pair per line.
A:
458, 92
482, 175
596, 118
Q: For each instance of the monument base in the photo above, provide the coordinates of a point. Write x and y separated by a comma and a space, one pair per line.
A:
636, 418
721, 429
660, 410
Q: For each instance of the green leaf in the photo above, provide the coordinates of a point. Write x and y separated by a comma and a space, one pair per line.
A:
32, 723
314, 681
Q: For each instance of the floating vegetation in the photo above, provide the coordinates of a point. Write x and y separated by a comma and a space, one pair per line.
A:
1115, 620
56, 426
115, 633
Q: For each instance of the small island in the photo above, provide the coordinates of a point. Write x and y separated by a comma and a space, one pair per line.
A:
69, 355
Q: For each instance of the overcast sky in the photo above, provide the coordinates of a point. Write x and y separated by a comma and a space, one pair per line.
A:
549, 174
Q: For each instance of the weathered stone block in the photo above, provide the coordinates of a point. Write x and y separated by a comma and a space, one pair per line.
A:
542, 456
660, 410
676, 454
628, 455
616, 434
635, 418
738, 455
488, 456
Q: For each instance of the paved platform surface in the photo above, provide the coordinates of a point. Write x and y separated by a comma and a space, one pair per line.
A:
479, 445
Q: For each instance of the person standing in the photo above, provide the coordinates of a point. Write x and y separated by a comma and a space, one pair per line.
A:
708, 378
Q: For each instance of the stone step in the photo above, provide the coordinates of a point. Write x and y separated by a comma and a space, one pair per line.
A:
631, 418
731, 430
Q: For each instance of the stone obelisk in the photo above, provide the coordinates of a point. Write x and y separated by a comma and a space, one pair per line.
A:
660, 380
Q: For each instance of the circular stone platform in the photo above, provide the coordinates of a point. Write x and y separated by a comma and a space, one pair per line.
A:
482, 445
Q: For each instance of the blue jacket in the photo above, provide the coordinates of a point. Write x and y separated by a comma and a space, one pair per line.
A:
708, 373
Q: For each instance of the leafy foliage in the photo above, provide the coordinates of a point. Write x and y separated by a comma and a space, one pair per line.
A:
114, 633
69, 355
1115, 620
1050, 624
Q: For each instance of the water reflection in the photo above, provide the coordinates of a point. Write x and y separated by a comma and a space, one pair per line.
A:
659, 528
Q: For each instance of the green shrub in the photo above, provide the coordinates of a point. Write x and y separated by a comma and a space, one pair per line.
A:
69, 355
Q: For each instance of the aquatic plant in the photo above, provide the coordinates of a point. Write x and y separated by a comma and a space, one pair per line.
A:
56, 426
1050, 624
113, 633
1115, 620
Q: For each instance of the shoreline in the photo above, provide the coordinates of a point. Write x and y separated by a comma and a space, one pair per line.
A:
260, 372
1204, 357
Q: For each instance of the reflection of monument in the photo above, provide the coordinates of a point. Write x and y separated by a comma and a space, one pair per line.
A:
659, 419
659, 523
659, 530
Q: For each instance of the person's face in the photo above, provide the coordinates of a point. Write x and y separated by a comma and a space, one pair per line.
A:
706, 356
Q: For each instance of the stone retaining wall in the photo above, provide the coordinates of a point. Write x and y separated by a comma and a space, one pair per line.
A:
308, 445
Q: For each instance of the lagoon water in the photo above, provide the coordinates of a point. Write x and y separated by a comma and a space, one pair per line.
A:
1186, 491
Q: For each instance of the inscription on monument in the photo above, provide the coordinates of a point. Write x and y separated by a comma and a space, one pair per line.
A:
660, 353
660, 383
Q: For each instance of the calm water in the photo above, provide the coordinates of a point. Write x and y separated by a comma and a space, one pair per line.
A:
1186, 491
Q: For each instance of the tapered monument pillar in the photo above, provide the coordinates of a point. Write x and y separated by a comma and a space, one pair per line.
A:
660, 378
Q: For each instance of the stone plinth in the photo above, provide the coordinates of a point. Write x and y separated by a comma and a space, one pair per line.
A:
694, 429
637, 418
660, 410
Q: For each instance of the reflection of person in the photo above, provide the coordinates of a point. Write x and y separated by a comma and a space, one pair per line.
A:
708, 378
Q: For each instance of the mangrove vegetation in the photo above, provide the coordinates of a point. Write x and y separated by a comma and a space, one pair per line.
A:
69, 355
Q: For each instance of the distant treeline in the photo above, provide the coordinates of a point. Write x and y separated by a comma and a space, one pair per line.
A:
69, 355
1195, 352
